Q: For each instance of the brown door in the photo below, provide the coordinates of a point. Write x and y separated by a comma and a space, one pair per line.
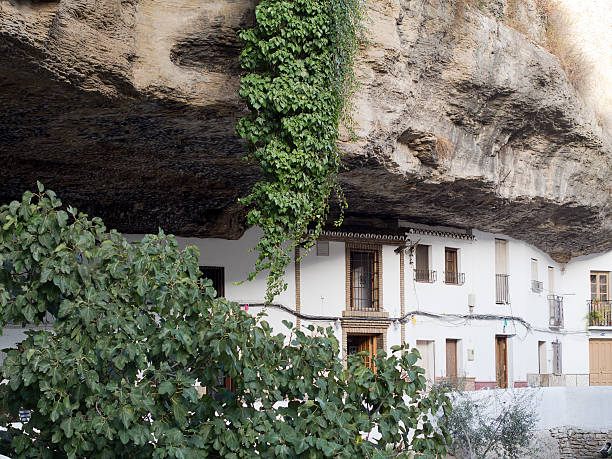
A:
368, 344
600, 362
451, 358
450, 266
501, 361
365, 343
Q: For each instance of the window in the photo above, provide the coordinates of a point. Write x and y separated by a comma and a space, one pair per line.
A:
322, 248
423, 273
451, 267
217, 275
368, 343
364, 279
551, 280
555, 304
536, 285
600, 285
557, 358
501, 272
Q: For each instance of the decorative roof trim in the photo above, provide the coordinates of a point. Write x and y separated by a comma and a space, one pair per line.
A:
447, 234
389, 238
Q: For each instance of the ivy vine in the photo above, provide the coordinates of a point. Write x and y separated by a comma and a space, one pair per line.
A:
299, 61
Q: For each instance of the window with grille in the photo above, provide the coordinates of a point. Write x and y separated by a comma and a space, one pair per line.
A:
364, 279
217, 275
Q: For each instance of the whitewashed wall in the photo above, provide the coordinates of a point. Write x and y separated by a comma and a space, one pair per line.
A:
323, 294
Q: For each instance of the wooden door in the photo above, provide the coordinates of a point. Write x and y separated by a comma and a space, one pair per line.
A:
450, 266
501, 361
451, 358
369, 344
600, 362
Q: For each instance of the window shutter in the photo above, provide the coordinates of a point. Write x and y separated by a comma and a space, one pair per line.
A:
557, 358
322, 248
534, 269
501, 257
551, 280
422, 257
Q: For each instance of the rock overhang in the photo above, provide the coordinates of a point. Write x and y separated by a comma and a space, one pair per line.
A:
464, 124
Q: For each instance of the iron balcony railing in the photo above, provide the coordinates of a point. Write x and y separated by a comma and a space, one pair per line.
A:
537, 286
502, 293
425, 275
454, 278
599, 313
555, 305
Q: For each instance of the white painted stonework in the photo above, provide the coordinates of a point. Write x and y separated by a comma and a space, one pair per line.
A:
323, 293
428, 306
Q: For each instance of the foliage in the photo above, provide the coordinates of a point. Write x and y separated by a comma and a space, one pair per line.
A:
136, 331
299, 58
492, 425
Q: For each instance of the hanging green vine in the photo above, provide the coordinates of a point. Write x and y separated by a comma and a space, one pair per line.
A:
299, 57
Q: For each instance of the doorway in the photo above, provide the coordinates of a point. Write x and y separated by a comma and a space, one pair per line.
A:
367, 343
542, 357
426, 349
600, 362
501, 361
451, 358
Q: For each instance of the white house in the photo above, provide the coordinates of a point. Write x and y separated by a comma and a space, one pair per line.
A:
484, 307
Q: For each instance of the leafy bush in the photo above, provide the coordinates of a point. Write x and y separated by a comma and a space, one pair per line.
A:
136, 331
490, 424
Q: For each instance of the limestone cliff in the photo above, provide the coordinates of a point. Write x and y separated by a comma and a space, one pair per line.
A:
127, 109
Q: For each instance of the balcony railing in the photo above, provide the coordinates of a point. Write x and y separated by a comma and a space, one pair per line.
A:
502, 293
454, 278
425, 275
599, 313
537, 286
555, 305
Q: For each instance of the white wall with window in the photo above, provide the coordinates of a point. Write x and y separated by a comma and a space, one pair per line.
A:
463, 307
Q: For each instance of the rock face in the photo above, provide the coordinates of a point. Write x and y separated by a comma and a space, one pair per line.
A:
127, 110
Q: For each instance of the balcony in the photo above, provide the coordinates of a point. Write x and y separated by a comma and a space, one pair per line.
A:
454, 278
555, 305
502, 293
537, 286
425, 275
599, 313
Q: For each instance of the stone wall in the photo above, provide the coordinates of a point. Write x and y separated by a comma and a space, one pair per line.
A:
580, 443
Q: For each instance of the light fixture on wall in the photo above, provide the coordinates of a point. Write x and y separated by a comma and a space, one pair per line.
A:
337, 323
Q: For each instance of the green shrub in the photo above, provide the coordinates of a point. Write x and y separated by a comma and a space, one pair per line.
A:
136, 331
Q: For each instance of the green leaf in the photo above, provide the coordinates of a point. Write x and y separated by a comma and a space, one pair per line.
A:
166, 387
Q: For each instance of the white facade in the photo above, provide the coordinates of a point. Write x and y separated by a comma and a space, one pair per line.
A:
427, 314
435, 312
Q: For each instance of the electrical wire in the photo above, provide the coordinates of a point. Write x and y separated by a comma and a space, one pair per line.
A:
452, 320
